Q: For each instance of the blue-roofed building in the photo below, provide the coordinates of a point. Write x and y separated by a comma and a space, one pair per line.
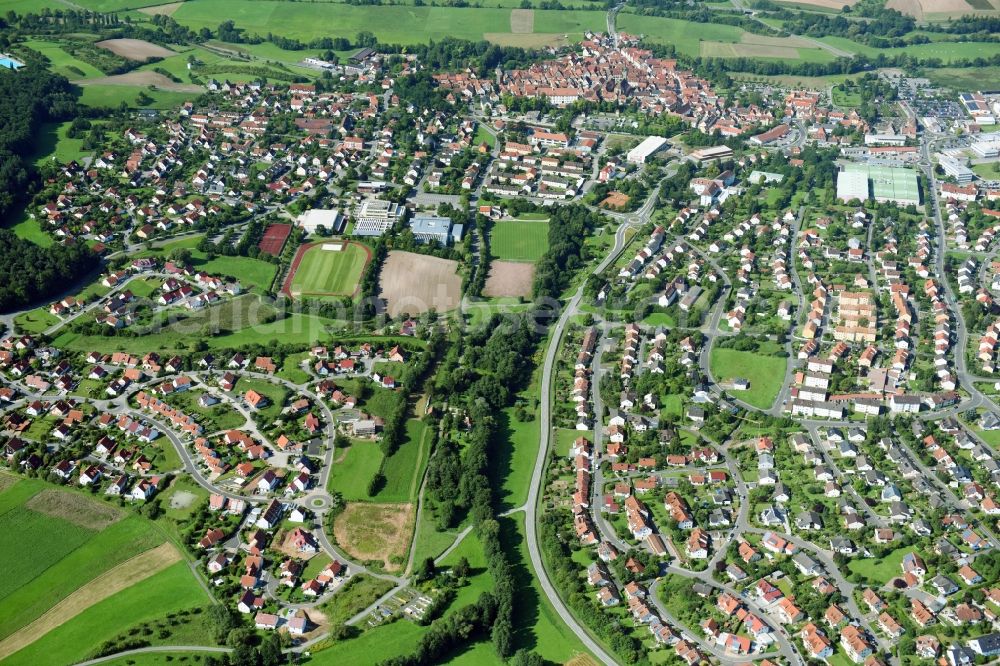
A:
428, 228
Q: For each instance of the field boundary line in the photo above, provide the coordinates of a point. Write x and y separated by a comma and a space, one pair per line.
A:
133, 570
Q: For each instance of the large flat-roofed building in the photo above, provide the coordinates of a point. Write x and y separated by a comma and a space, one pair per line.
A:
713, 153
373, 217
428, 228
649, 147
988, 147
892, 184
952, 167
852, 185
314, 218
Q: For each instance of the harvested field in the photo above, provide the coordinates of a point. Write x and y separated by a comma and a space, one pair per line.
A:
75, 508
415, 283
909, 7
7, 480
509, 278
161, 10
582, 660
536, 40
376, 532
111, 582
727, 50
827, 4
522, 21
141, 79
135, 49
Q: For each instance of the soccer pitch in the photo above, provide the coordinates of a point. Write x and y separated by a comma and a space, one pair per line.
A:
326, 271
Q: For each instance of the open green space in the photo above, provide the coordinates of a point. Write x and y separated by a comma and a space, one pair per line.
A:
61, 61
328, 272
251, 273
112, 96
52, 143
404, 469
766, 373
276, 395
36, 321
399, 24
685, 36
54, 556
880, 570
30, 229
171, 590
513, 240
357, 594
350, 475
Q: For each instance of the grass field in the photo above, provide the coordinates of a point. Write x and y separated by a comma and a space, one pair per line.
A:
765, 373
513, 240
48, 570
328, 272
350, 476
31, 229
62, 62
52, 143
391, 24
173, 589
405, 467
36, 321
880, 570
376, 532
110, 96
358, 593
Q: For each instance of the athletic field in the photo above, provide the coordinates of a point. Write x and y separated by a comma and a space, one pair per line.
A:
330, 268
517, 240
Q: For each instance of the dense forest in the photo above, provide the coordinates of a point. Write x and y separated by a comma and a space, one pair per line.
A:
569, 226
29, 272
28, 97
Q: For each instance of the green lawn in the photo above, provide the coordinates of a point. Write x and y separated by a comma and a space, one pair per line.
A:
329, 273
275, 393
350, 476
685, 36
358, 593
880, 570
52, 143
32, 543
250, 272
404, 469
36, 321
766, 374
31, 229
111, 96
173, 589
519, 241
62, 62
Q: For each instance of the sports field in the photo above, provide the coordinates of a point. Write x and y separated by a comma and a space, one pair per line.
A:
328, 269
516, 240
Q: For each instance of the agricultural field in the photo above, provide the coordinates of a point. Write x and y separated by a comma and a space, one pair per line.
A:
400, 24
320, 270
171, 590
519, 240
766, 374
63, 543
416, 283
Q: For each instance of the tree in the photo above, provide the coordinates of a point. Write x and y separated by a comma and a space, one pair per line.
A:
427, 570
462, 568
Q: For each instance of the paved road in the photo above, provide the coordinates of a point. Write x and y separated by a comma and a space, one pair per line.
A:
538, 473
153, 650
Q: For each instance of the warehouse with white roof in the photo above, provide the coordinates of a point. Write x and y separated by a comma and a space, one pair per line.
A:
649, 147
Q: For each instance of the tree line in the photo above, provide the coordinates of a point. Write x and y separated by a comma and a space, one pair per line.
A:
29, 273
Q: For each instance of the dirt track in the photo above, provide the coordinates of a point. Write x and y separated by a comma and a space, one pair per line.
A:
126, 574
163, 10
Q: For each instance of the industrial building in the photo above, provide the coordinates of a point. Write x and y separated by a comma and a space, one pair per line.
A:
330, 219
852, 185
891, 184
428, 228
373, 217
649, 147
